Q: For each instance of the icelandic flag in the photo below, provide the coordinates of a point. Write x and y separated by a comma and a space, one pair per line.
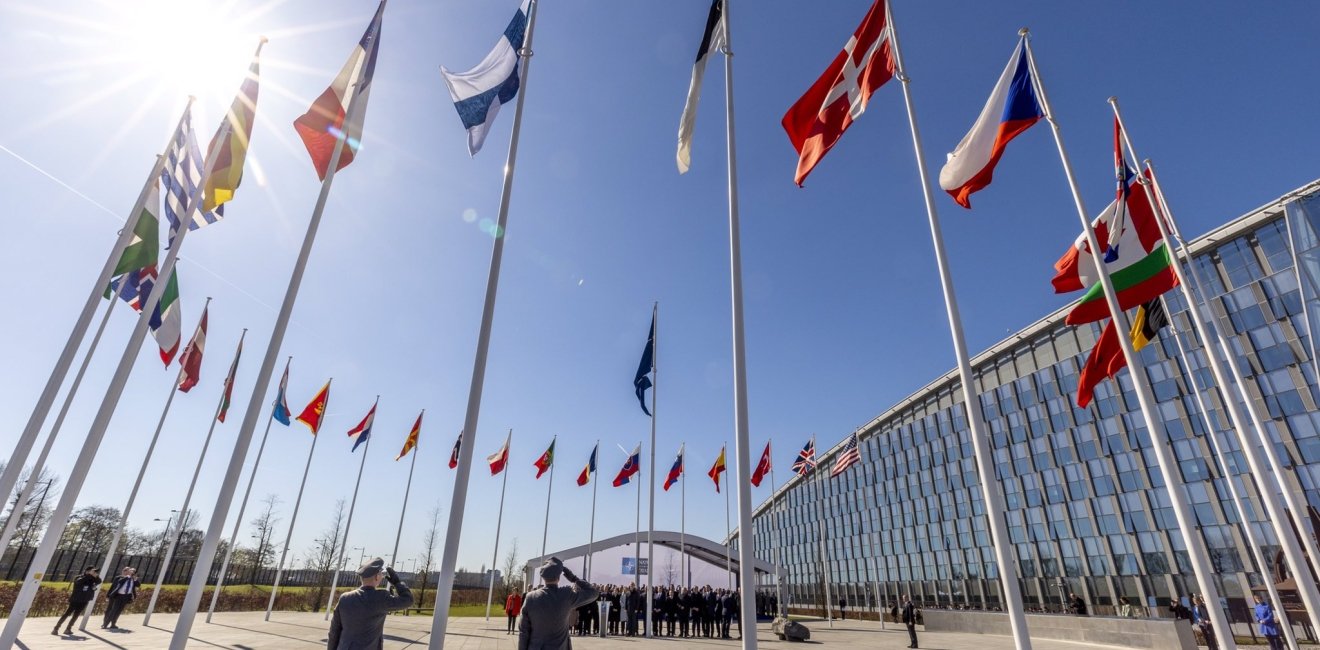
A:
590, 469
362, 432
281, 413
479, 92
1011, 109
675, 471
630, 468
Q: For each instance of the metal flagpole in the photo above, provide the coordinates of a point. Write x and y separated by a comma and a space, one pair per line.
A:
545, 532
1173, 481
352, 504
991, 491
297, 502
728, 537
238, 522
742, 453
824, 549
187, 498
682, 516
449, 557
101, 422
499, 521
394, 557
637, 535
1203, 322
28, 438
650, 526
875, 547
206, 555
778, 554
137, 484
589, 563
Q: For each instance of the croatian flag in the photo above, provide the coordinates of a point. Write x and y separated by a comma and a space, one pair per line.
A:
362, 432
675, 471
479, 92
1012, 109
630, 468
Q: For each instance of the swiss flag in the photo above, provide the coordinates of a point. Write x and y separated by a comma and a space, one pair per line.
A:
817, 121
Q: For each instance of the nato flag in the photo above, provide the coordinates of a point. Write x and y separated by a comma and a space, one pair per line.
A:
642, 382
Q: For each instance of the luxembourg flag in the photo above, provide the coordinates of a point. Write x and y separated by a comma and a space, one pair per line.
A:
1012, 109
479, 92
362, 432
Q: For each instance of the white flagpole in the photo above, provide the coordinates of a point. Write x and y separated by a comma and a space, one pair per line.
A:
1173, 482
545, 532
101, 422
991, 491
587, 564
499, 522
637, 535
449, 557
742, 452
728, 534
1243, 423
137, 483
778, 554
187, 499
238, 522
28, 438
297, 502
394, 557
875, 548
650, 526
824, 548
352, 504
682, 516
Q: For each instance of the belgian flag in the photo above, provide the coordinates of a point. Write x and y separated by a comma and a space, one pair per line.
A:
1107, 356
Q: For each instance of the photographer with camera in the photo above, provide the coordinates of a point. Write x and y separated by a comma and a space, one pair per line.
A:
359, 620
545, 610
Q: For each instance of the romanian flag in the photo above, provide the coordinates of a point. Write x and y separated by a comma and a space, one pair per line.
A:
585, 476
315, 410
411, 443
229, 381
546, 460
1106, 357
762, 467
233, 141
717, 469
362, 432
675, 470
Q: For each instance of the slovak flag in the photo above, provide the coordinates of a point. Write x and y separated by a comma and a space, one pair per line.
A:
585, 476
500, 458
630, 468
479, 92
1011, 109
675, 471
362, 432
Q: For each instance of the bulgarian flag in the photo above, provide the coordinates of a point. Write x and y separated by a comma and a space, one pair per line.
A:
191, 361
546, 460
229, 381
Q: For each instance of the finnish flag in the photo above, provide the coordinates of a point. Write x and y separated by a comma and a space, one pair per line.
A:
478, 93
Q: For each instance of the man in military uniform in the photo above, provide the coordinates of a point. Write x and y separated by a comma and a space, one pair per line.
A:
545, 611
359, 620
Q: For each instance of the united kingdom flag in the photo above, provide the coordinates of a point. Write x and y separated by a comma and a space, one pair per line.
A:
806, 460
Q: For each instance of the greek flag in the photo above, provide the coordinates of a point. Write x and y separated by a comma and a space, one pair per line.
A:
479, 92
181, 175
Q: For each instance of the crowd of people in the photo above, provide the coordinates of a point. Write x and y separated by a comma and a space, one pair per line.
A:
705, 612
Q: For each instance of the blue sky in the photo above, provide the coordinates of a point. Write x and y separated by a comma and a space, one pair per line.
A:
843, 313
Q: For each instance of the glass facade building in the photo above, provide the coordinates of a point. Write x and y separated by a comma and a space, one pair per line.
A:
1087, 510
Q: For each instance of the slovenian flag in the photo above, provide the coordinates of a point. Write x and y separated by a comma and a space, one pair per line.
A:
630, 468
1012, 109
479, 92
362, 432
675, 470
325, 123
585, 476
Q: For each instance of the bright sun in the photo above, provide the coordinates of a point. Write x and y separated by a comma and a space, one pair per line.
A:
190, 47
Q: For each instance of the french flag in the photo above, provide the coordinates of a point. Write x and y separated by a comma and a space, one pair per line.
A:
630, 468
1012, 109
479, 92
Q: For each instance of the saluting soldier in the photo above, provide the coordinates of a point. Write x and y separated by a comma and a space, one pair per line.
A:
359, 620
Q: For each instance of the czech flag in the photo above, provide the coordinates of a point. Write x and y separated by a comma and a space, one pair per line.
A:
630, 468
362, 432
585, 476
500, 458
1012, 109
675, 471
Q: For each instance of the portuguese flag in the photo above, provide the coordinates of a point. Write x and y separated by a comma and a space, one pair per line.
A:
546, 460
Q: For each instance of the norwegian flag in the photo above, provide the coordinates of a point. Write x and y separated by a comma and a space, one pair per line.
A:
850, 456
806, 460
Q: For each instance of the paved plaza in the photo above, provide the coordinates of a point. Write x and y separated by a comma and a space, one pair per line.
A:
244, 630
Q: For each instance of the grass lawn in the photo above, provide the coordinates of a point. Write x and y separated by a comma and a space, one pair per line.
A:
466, 611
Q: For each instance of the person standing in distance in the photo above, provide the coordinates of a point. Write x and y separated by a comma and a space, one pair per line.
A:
545, 611
512, 606
83, 590
909, 615
123, 589
359, 620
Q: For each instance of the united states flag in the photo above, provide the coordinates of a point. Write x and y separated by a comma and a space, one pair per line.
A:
850, 456
180, 177
806, 460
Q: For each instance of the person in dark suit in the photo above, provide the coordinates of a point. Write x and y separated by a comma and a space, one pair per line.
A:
843, 608
728, 610
83, 589
123, 589
359, 620
909, 617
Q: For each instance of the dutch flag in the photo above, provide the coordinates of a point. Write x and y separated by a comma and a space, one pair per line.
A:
479, 92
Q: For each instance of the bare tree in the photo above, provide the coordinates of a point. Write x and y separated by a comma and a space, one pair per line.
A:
429, 540
264, 525
33, 518
512, 576
90, 529
671, 571
323, 555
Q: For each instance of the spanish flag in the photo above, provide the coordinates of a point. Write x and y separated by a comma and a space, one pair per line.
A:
233, 141
411, 443
717, 469
315, 411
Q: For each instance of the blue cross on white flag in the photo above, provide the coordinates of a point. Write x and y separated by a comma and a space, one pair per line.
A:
181, 175
479, 92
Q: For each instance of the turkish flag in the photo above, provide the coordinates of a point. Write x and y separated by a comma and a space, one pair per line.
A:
762, 468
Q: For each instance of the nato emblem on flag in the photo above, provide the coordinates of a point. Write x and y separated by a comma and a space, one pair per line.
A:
479, 92
641, 381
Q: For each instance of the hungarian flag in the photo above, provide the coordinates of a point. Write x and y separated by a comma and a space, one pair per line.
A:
281, 412
546, 460
190, 364
762, 467
585, 476
817, 121
315, 410
675, 470
1011, 109
453, 455
1107, 358
326, 122
362, 432
411, 442
232, 142
630, 467
712, 40
229, 380
500, 458
717, 469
